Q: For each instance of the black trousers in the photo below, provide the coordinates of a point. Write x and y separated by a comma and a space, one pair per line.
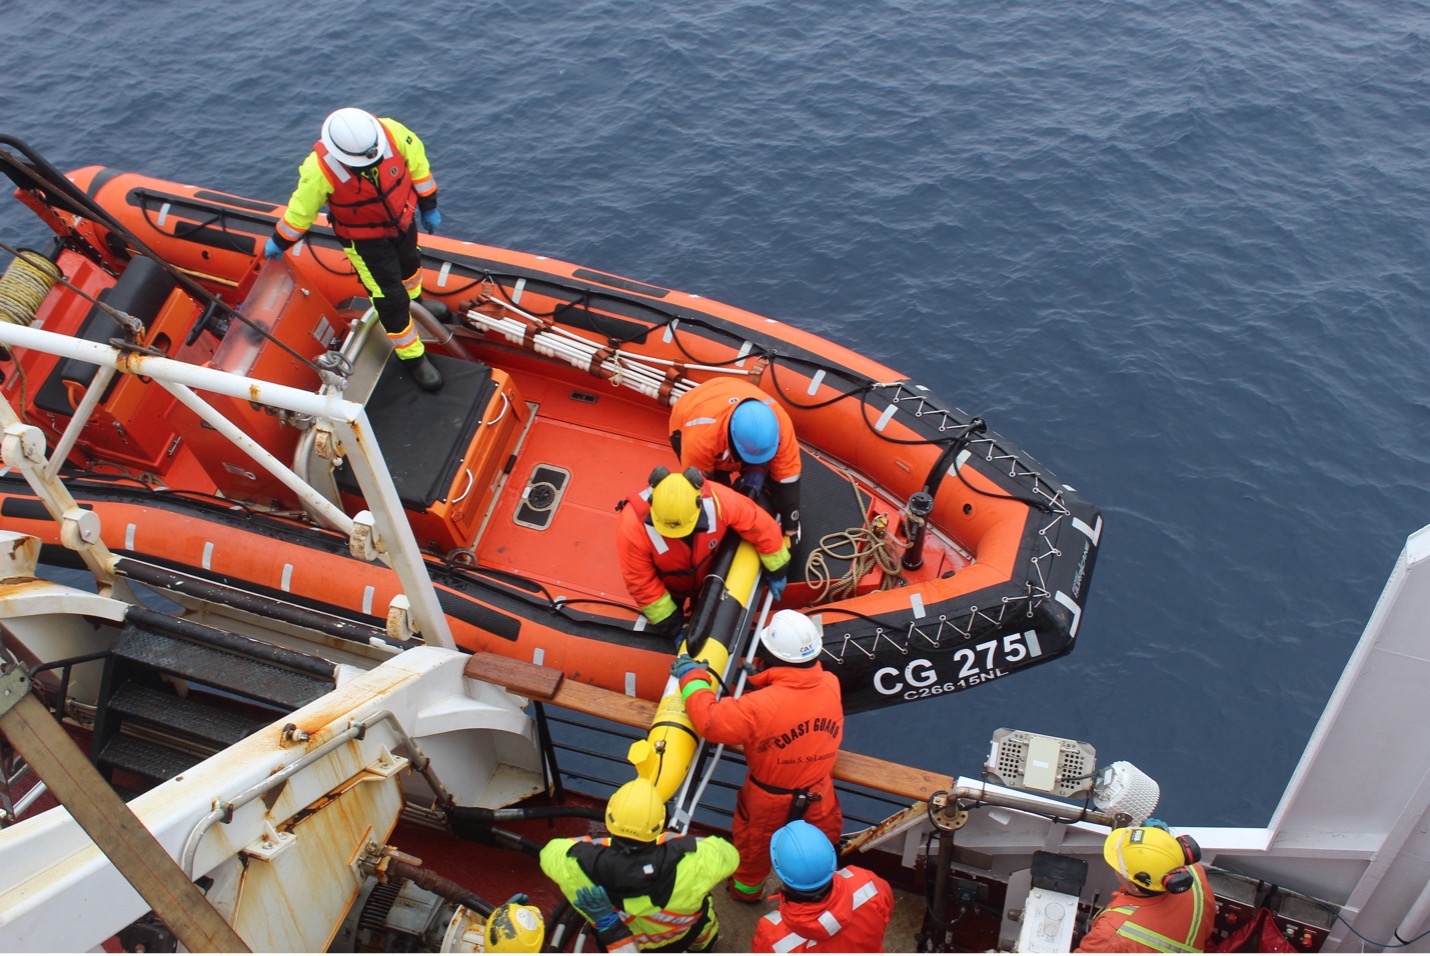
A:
384, 265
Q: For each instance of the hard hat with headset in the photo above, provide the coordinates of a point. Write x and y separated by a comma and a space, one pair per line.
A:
513, 928
802, 856
792, 637
675, 501
354, 136
754, 431
1151, 858
636, 812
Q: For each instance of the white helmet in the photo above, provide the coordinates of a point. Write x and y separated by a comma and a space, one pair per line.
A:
792, 637
354, 136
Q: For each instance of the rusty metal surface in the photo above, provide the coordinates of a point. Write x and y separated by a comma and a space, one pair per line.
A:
112, 825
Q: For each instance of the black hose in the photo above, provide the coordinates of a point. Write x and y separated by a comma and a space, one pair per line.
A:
478, 824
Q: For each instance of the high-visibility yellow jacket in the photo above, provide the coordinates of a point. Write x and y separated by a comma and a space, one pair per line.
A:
661, 890
362, 204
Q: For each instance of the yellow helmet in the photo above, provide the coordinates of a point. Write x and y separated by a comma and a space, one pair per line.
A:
1145, 856
675, 506
513, 928
636, 812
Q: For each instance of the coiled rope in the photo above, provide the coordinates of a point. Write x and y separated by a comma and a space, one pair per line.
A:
23, 287
864, 548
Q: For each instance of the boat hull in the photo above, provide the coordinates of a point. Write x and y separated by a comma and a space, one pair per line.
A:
1009, 549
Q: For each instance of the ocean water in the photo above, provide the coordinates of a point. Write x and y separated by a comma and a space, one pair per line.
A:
1175, 250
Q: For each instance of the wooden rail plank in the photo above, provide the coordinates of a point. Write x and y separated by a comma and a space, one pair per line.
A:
548, 685
113, 827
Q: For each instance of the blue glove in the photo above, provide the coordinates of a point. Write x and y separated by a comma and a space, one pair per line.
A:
520, 899
777, 587
596, 904
431, 219
684, 665
271, 249
750, 482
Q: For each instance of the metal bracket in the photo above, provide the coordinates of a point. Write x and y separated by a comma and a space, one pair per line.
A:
363, 540
387, 765
325, 444
14, 687
79, 528
399, 619
24, 446
270, 844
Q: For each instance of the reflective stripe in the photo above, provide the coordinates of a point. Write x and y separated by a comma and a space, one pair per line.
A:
335, 166
1198, 910
406, 337
674, 919
700, 421
288, 232
413, 284
709, 505
1165, 944
829, 922
679, 924
1157, 941
787, 943
864, 894
657, 540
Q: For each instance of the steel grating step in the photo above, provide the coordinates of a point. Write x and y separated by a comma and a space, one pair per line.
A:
145, 758
213, 667
184, 716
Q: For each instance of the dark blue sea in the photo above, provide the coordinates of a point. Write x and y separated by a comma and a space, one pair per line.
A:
1175, 250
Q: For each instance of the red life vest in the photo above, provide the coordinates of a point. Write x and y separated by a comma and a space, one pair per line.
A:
653, 565
360, 208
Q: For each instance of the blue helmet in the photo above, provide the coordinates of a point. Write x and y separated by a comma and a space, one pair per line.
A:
754, 431
802, 856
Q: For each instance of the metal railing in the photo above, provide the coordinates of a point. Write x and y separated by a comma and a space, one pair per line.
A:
598, 749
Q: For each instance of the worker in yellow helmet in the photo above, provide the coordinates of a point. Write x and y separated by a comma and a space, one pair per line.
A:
655, 883
514, 927
1165, 904
374, 177
666, 538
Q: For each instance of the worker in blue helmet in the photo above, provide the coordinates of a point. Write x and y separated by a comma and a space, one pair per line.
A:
822, 909
739, 435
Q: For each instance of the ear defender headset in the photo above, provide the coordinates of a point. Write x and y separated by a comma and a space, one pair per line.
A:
692, 474
1181, 879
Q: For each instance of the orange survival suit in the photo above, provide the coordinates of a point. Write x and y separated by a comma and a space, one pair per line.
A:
700, 435
662, 572
851, 919
791, 725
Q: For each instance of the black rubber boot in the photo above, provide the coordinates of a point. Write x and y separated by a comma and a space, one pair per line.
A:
424, 372
437, 307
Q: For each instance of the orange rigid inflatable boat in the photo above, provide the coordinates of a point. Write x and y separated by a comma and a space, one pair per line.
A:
935, 554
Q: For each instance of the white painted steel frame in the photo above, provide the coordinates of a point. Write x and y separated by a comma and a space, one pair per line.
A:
396, 543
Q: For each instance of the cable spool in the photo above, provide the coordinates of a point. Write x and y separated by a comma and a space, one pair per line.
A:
23, 287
